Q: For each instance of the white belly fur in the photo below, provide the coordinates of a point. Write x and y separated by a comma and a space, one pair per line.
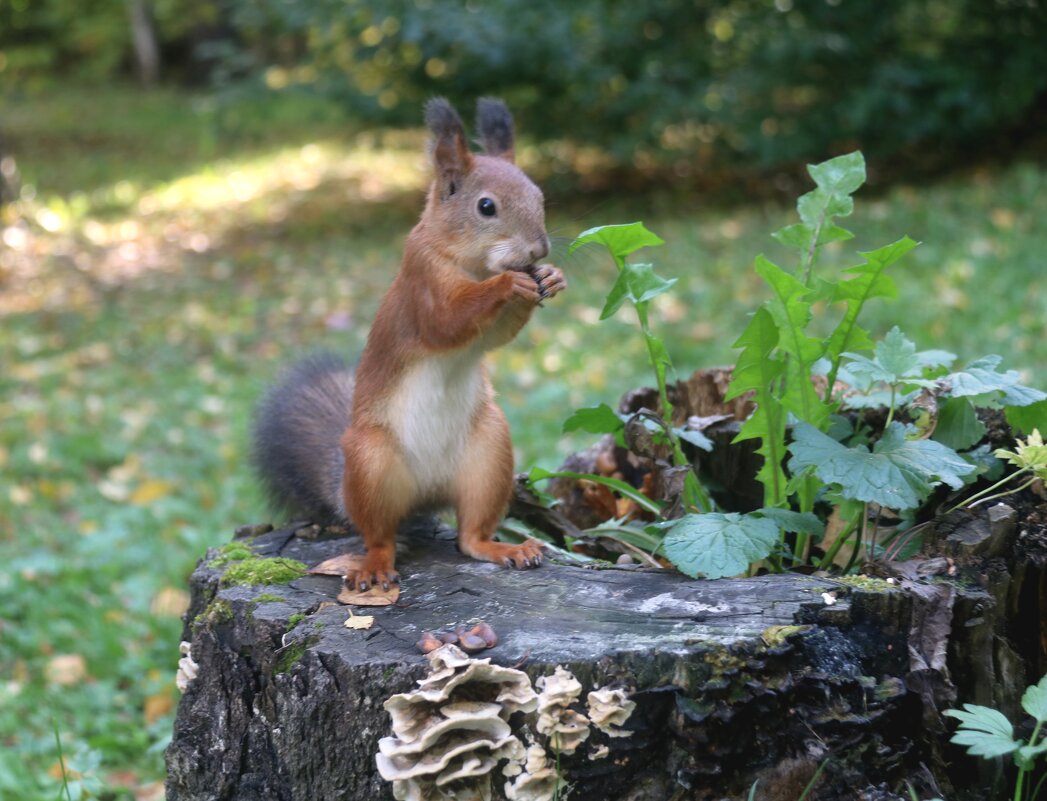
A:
431, 412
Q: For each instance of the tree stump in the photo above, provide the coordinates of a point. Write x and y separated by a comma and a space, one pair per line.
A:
736, 681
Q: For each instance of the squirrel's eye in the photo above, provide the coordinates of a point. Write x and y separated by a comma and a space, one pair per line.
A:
486, 207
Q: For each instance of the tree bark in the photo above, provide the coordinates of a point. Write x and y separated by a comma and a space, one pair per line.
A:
144, 41
736, 681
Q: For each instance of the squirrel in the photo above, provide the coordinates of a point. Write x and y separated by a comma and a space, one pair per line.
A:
415, 426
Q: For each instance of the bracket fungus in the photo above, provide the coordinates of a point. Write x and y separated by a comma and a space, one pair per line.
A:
609, 710
537, 782
451, 732
565, 728
187, 667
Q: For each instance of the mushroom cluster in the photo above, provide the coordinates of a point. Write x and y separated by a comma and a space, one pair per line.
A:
537, 780
187, 667
452, 731
609, 709
565, 728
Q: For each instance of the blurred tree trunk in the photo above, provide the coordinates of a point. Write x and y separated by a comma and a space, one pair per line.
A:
143, 36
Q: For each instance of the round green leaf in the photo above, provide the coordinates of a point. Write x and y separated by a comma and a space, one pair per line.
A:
717, 544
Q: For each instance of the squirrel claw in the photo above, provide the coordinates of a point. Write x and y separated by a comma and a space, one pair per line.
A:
550, 280
364, 580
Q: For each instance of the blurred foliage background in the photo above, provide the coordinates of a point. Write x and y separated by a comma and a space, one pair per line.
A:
691, 84
194, 193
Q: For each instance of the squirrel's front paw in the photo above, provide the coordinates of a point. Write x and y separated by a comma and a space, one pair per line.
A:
550, 280
524, 287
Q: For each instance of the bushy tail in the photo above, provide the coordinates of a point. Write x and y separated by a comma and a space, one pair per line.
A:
297, 427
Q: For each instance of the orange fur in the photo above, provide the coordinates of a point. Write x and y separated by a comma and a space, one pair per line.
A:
425, 430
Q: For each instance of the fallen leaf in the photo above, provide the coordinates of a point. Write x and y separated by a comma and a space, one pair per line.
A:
338, 565
169, 602
344, 564
156, 706
123, 778
58, 771
149, 491
359, 621
66, 670
153, 791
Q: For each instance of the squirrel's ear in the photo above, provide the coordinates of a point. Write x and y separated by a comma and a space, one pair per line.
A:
495, 126
450, 153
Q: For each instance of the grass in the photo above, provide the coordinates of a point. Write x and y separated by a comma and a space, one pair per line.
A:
168, 256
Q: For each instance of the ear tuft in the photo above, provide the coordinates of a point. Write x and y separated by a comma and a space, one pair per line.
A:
450, 154
495, 126
442, 119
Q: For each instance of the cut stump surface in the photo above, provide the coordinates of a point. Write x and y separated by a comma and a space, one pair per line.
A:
735, 680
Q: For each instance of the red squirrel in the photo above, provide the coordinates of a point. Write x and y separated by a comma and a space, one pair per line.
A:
415, 425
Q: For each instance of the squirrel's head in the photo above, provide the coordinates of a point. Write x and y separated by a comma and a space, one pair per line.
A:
489, 215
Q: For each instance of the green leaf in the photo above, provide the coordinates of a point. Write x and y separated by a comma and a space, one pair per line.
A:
870, 281
834, 233
638, 283
981, 377
898, 473
696, 438
793, 522
958, 425
985, 464
718, 544
1034, 701
616, 297
621, 487
600, 419
896, 357
840, 175
621, 240
644, 283
1029, 454
895, 362
757, 372
643, 538
1026, 756
819, 206
797, 235
1027, 418
792, 312
984, 731
659, 357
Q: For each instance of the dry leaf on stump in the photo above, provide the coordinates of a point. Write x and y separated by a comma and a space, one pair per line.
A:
343, 565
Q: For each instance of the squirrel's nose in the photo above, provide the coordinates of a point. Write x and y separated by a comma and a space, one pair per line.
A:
540, 248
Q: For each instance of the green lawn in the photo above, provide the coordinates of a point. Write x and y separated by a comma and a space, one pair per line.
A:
169, 256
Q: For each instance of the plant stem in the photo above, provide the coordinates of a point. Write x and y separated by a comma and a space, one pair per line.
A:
1026, 485
861, 539
814, 779
809, 256
61, 763
695, 496
870, 545
1036, 790
827, 560
890, 411
988, 490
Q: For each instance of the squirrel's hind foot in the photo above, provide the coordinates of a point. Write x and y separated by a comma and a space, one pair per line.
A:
526, 555
377, 571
